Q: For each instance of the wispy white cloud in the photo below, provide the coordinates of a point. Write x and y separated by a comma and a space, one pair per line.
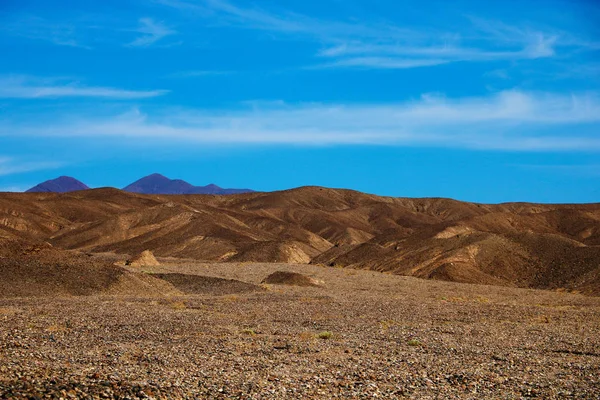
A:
510, 120
502, 32
36, 28
27, 87
226, 13
381, 63
386, 46
229, 13
410, 56
151, 32
88, 31
12, 166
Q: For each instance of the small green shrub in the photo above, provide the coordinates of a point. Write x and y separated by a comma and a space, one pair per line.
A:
325, 335
249, 332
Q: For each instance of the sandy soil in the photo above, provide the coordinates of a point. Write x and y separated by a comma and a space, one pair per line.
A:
364, 334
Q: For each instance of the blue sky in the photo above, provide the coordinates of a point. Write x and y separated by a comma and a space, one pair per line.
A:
480, 101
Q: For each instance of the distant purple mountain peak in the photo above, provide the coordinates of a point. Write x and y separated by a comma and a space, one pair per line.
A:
160, 184
151, 184
62, 184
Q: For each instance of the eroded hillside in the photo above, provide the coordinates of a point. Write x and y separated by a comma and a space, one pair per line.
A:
513, 244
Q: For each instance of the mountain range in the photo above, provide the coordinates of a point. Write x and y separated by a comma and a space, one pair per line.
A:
151, 184
551, 246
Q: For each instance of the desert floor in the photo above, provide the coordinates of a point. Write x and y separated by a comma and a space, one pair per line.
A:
363, 335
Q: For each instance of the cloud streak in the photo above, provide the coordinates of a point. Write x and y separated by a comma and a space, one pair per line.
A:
25, 87
87, 31
385, 46
151, 32
10, 166
36, 28
510, 120
408, 56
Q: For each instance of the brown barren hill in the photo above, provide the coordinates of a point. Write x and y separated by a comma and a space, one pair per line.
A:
513, 244
144, 259
39, 270
292, 278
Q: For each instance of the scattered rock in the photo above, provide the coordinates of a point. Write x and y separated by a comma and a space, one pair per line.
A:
198, 284
347, 341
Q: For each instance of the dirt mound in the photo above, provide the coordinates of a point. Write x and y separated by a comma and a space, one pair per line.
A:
144, 259
292, 278
37, 269
198, 284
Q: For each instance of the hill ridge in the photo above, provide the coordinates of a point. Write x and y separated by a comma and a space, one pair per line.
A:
154, 183
513, 244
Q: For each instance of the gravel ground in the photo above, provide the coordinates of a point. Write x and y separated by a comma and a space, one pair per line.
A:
363, 335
